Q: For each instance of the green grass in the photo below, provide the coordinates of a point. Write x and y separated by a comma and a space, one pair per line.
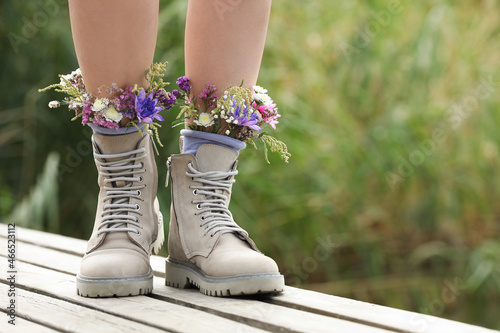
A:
416, 103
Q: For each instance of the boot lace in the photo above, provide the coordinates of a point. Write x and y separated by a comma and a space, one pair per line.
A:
118, 171
216, 188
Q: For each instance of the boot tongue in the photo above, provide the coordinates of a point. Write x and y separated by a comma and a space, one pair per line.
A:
115, 144
210, 157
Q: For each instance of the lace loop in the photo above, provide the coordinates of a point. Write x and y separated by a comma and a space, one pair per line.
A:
119, 172
215, 189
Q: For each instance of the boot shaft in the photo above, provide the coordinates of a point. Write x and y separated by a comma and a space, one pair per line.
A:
127, 176
194, 198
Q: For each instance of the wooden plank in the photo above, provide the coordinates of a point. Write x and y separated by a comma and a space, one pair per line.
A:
394, 319
69, 317
48, 240
308, 301
256, 313
141, 309
68, 245
23, 325
260, 313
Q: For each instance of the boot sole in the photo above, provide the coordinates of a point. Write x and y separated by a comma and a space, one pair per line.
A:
87, 286
185, 275
109, 287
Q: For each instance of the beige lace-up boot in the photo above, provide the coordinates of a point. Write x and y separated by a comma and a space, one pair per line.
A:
207, 249
128, 226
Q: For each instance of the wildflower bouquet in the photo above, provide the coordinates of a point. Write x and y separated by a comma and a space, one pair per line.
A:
130, 106
238, 113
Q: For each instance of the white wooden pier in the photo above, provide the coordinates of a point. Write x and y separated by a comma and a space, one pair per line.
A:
46, 301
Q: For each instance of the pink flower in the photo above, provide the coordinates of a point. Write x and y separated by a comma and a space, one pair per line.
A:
209, 95
105, 123
269, 113
87, 112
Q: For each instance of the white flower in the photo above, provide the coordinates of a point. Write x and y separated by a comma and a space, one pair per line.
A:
112, 115
263, 98
74, 105
259, 90
205, 120
65, 78
100, 104
227, 132
54, 104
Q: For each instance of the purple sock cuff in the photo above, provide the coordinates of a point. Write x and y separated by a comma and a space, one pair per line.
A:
112, 131
194, 139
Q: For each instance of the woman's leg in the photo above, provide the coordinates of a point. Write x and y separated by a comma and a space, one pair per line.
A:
225, 41
114, 42
224, 45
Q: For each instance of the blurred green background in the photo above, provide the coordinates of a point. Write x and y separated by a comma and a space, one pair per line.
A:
390, 110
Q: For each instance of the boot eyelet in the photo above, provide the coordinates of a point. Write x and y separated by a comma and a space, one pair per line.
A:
140, 179
202, 218
137, 207
195, 192
198, 206
211, 235
139, 193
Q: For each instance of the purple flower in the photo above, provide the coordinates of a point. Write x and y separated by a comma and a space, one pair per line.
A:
146, 108
241, 116
86, 112
125, 102
176, 93
105, 123
208, 92
209, 95
183, 83
165, 99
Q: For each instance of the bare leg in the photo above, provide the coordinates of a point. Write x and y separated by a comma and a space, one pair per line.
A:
114, 40
224, 45
225, 41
